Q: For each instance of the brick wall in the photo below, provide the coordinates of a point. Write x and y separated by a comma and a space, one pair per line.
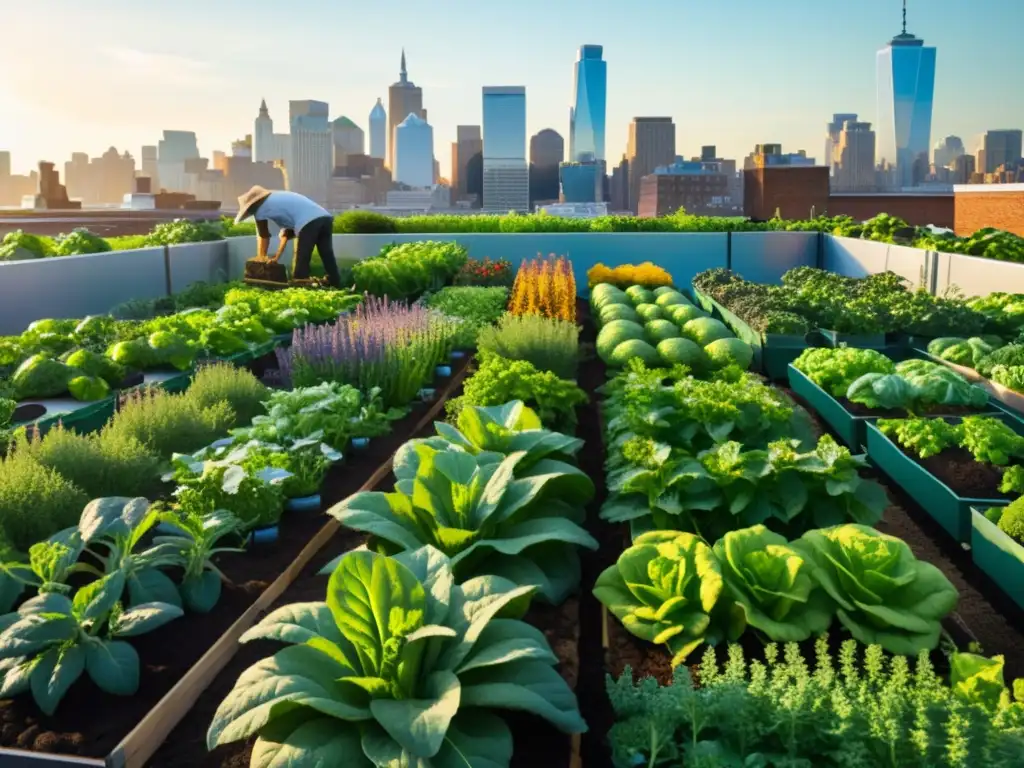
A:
792, 190
1000, 206
917, 210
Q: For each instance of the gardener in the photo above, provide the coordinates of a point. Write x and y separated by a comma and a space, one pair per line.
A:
299, 218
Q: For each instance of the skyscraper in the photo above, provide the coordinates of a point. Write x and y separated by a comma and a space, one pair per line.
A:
906, 88
652, 142
267, 146
855, 171
348, 139
1001, 148
414, 152
172, 151
833, 130
547, 151
947, 151
311, 157
378, 131
404, 99
468, 143
506, 174
587, 127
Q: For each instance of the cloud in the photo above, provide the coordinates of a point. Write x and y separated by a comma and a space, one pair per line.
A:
165, 68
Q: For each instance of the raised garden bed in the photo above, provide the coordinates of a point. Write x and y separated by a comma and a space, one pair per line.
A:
997, 555
181, 660
923, 480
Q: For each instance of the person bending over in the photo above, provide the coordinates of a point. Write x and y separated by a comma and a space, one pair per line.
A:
299, 218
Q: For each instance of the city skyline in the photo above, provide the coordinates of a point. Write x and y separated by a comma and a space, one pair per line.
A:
770, 93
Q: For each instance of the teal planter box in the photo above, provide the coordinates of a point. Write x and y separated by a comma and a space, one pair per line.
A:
837, 339
849, 428
773, 352
998, 556
89, 418
950, 511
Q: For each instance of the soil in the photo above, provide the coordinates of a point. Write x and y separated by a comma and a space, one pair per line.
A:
859, 409
259, 269
91, 723
964, 475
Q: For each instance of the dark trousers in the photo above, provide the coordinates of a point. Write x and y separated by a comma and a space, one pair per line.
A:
317, 234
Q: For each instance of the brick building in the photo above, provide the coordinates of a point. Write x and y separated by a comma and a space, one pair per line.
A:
977, 206
792, 190
702, 194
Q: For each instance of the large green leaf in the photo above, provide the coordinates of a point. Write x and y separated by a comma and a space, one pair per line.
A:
144, 618
552, 567
296, 623
526, 685
473, 606
434, 571
15, 676
373, 599
382, 515
113, 516
201, 593
55, 672
150, 585
475, 739
113, 666
319, 742
420, 725
36, 631
95, 600
295, 676
506, 640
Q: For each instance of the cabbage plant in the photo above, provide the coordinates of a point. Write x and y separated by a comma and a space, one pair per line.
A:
668, 588
773, 585
400, 666
884, 595
487, 520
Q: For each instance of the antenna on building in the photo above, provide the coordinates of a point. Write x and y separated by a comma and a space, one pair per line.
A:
904, 17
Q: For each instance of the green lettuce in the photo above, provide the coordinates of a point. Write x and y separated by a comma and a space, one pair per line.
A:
398, 667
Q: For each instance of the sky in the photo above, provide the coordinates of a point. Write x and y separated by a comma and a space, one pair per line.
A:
730, 72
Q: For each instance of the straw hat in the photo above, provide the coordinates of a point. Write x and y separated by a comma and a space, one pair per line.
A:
250, 200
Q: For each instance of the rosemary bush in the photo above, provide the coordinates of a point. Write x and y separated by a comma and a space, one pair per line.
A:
865, 711
549, 344
223, 382
168, 423
35, 501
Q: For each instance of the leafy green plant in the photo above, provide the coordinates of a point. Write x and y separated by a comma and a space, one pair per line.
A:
225, 383
885, 595
52, 640
475, 308
497, 381
668, 588
35, 501
1011, 520
1011, 376
990, 440
1013, 480
834, 370
104, 464
80, 241
857, 709
772, 584
398, 666
195, 547
487, 520
1012, 355
184, 231
916, 386
256, 497
168, 423
549, 344
408, 270
922, 437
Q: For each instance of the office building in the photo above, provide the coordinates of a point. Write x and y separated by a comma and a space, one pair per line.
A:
700, 187
1001, 148
855, 151
414, 153
590, 96
948, 150
652, 142
172, 151
469, 143
964, 168
772, 154
583, 181
348, 139
906, 89
506, 175
404, 99
833, 130
310, 160
547, 152
103, 180
378, 131
267, 146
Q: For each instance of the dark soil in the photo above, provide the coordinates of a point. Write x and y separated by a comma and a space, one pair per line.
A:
28, 412
91, 723
859, 409
259, 269
964, 475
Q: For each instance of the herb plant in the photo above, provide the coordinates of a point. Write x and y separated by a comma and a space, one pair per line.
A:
398, 666
474, 308
549, 344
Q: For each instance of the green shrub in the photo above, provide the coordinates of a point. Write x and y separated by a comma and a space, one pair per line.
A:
168, 423
100, 464
406, 271
35, 501
80, 241
223, 382
476, 307
1011, 521
184, 231
363, 223
546, 343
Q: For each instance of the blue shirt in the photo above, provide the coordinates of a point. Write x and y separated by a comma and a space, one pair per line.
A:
289, 210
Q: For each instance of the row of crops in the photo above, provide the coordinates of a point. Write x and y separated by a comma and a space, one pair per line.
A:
623, 540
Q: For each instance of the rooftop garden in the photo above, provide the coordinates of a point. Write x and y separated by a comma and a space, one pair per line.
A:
454, 515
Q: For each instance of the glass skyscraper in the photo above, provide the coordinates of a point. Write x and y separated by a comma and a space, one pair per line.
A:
587, 117
506, 172
906, 89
